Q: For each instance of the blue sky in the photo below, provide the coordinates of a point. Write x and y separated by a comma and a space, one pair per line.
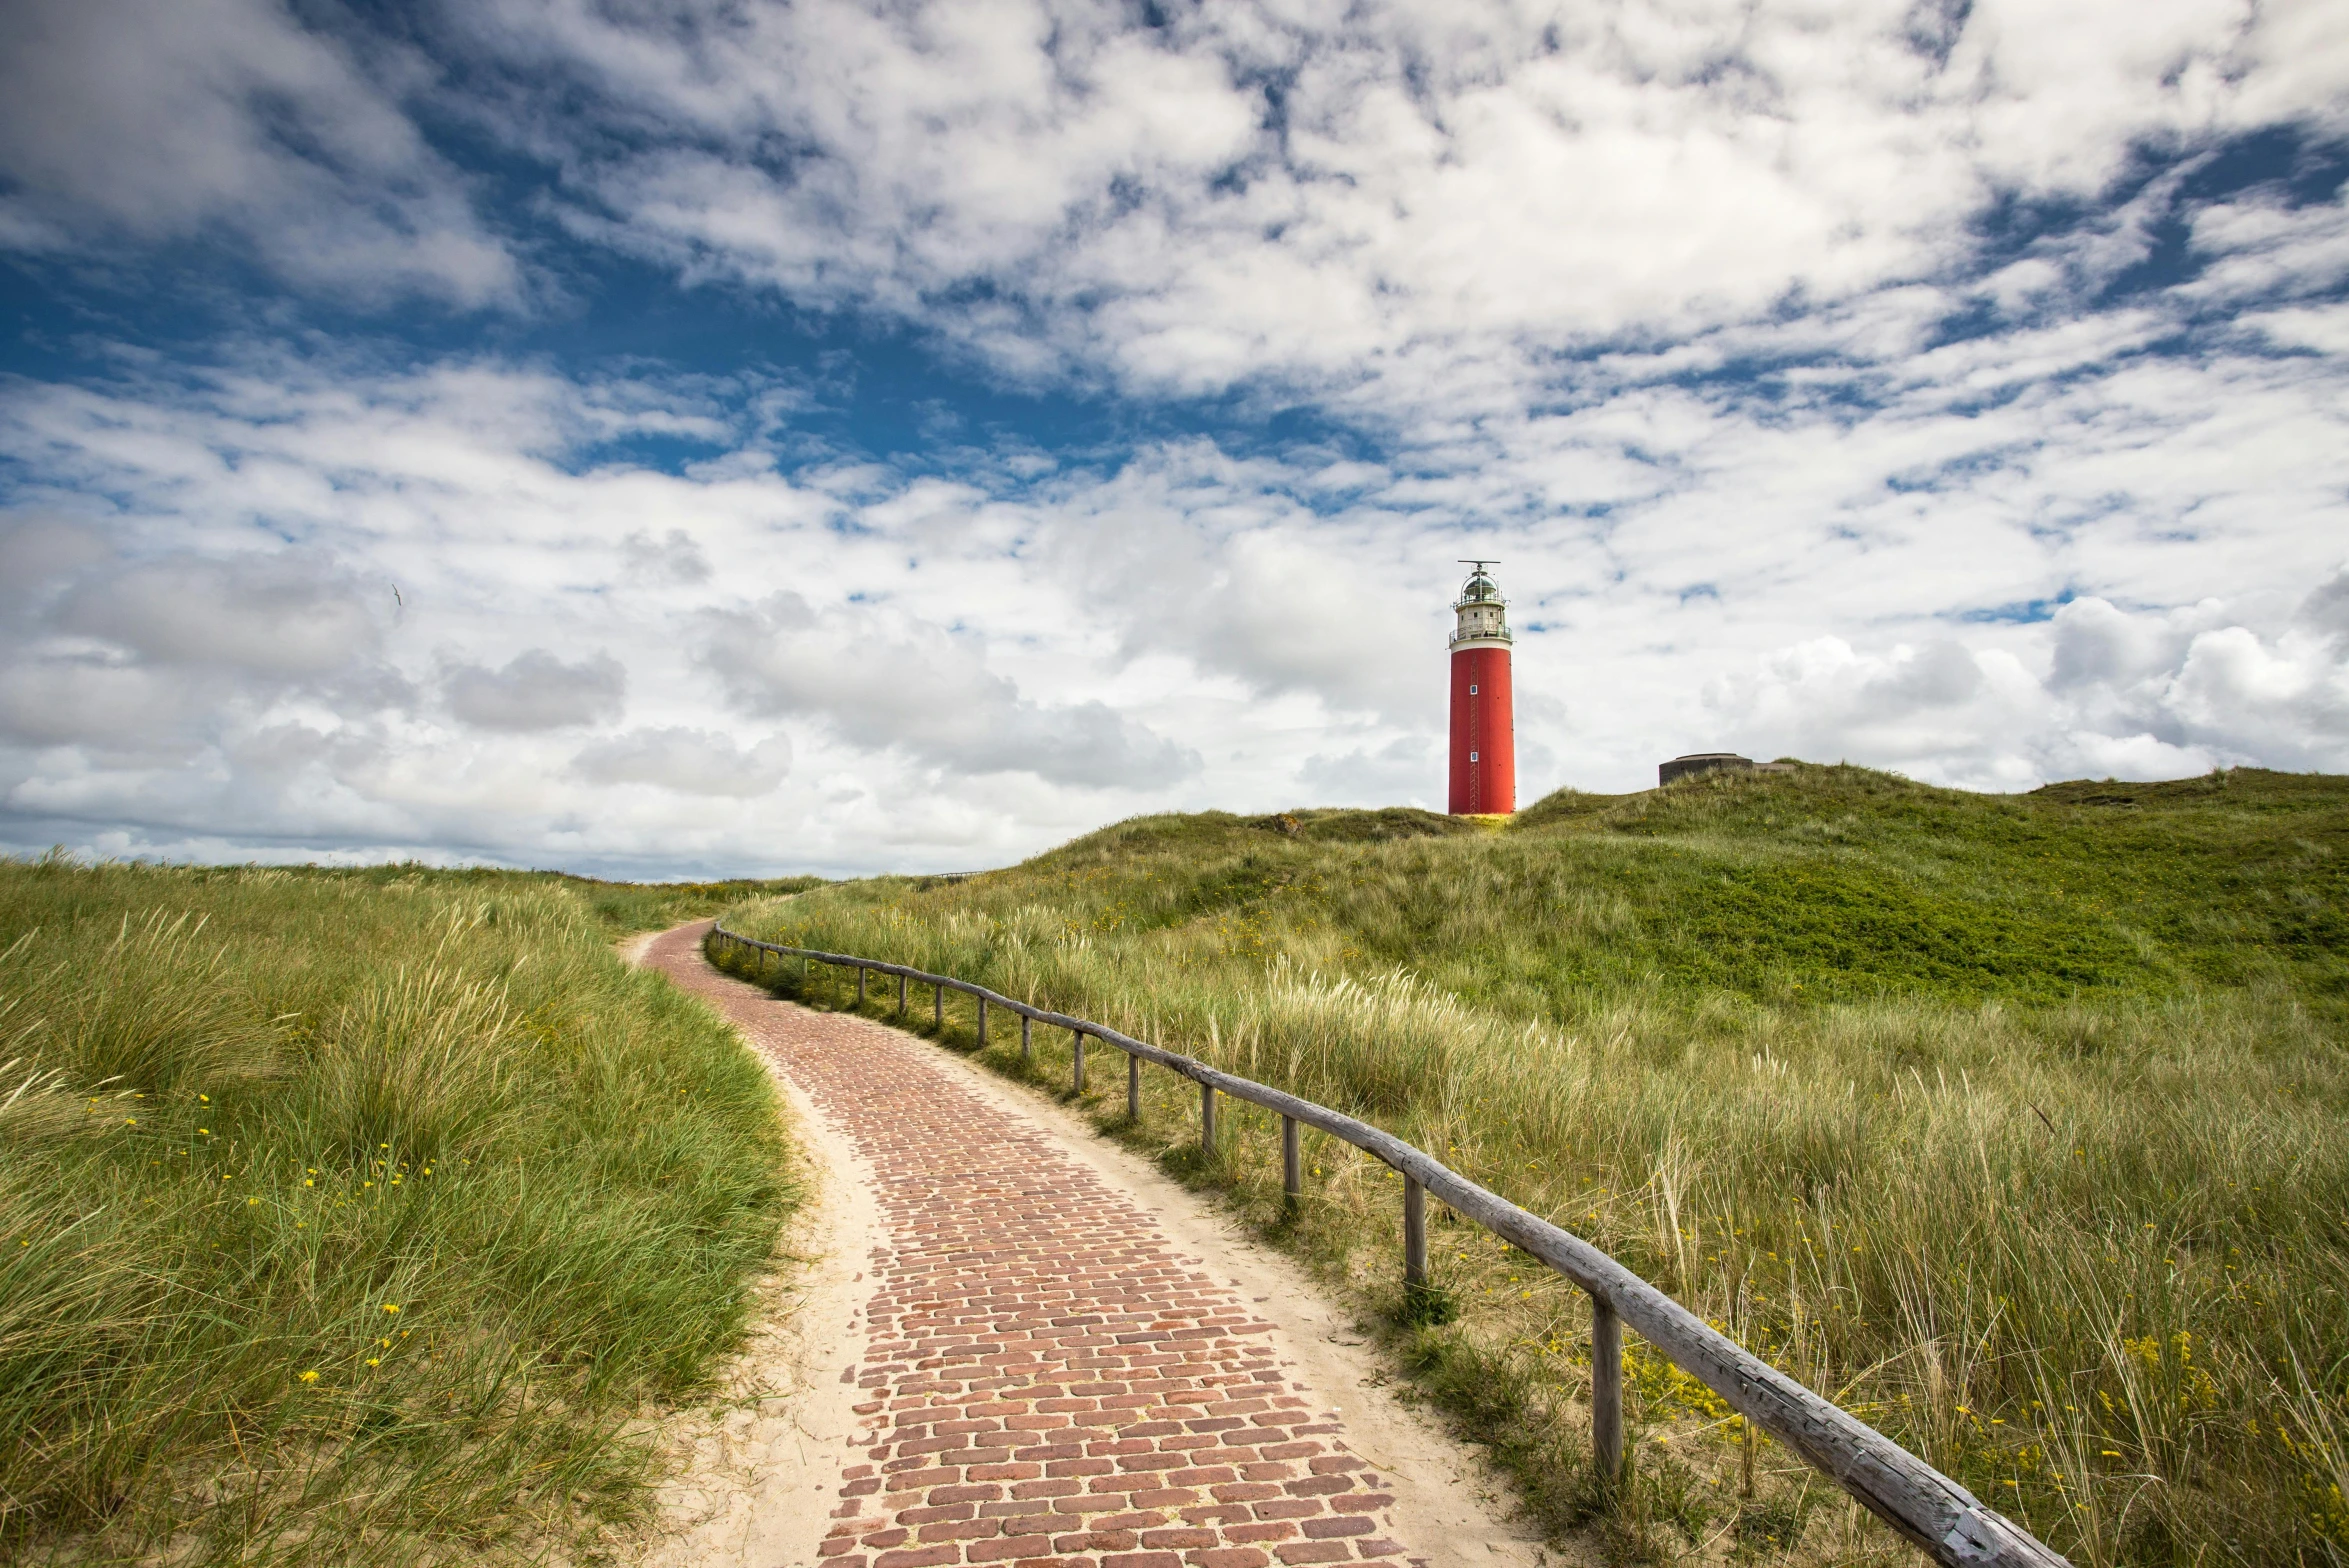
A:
681, 437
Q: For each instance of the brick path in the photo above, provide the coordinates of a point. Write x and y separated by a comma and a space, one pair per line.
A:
1047, 1381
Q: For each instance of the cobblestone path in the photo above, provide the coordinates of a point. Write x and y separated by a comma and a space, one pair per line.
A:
1047, 1381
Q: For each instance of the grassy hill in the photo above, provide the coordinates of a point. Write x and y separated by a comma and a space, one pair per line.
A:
2015, 1122
353, 1216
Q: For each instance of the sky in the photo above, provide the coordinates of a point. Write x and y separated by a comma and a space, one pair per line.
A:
659, 438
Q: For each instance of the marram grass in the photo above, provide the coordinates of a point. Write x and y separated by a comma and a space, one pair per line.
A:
353, 1217
2015, 1124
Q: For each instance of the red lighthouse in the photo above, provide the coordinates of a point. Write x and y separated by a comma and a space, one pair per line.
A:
1484, 724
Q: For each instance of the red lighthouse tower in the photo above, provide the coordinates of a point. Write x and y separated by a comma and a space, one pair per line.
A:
1484, 724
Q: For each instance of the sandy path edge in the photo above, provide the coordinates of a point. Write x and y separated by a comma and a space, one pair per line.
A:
757, 1466
756, 1488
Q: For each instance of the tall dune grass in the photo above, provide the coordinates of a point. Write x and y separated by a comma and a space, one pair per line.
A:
2015, 1128
351, 1218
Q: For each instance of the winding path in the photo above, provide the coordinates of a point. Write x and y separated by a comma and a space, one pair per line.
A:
1046, 1378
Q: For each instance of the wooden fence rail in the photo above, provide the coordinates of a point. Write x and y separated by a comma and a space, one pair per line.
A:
1927, 1508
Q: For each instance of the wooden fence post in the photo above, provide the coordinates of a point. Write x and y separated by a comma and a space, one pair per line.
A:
1207, 1119
938, 1007
982, 1023
1133, 1087
1292, 1162
1078, 1057
1606, 1391
1027, 1040
861, 972
901, 996
1414, 1235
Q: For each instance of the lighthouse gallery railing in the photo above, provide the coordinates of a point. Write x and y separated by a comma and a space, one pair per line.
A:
1926, 1507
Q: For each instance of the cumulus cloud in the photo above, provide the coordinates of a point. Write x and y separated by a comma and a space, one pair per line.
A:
281, 615
146, 121
2285, 700
116, 709
1871, 381
1408, 770
688, 761
39, 555
1217, 562
1925, 707
1366, 194
885, 681
2134, 694
536, 691
1184, 625
142, 654
675, 559
2327, 609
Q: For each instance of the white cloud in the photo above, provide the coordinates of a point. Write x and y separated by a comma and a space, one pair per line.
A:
2260, 248
1216, 561
2322, 328
1402, 197
40, 554
2264, 699
112, 708
2143, 695
972, 667
156, 120
1408, 770
1651, 302
678, 558
140, 656
536, 691
688, 761
282, 615
182, 674
888, 682
1938, 708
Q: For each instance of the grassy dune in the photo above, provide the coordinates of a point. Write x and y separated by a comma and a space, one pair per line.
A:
2014, 1123
353, 1217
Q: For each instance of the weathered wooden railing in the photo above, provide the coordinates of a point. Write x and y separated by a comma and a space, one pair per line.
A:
1928, 1508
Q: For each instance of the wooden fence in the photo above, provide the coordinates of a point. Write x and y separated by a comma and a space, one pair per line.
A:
1929, 1509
